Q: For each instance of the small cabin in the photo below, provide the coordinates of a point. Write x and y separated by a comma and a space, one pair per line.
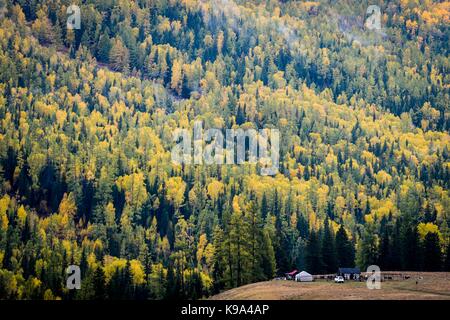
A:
349, 273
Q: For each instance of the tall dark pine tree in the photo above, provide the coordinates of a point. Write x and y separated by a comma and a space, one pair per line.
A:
385, 250
240, 116
104, 46
264, 207
280, 246
99, 284
368, 253
328, 249
219, 261
411, 252
314, 261
114, 286
432, 252
345, 249
302, 225
172, 290
396, 258
410, 247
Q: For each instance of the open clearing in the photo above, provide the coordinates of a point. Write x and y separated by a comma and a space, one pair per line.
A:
433, 285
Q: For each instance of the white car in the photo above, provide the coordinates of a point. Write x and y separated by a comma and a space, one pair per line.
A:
339, 279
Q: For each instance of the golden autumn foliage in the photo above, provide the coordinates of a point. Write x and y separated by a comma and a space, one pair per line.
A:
86, 131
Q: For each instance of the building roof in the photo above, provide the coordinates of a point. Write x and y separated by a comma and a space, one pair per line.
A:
292, 273
349, 270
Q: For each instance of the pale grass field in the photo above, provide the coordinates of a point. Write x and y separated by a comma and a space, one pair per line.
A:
432, 286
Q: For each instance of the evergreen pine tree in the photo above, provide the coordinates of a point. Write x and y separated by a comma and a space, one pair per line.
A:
410, 247
314, 262
432, 252
368, 250
344, 249
385, 250
395, 256
264, 206
219, 260
172, 287
104, 47
99, 284
328, 249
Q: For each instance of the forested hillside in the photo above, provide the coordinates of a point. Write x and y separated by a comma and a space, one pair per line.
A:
87, 118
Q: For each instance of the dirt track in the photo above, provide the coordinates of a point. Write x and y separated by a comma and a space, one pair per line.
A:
435, 286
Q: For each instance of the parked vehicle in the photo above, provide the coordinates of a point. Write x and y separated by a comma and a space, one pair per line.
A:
339, 279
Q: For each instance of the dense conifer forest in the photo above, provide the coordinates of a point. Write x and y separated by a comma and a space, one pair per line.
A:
86, 123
